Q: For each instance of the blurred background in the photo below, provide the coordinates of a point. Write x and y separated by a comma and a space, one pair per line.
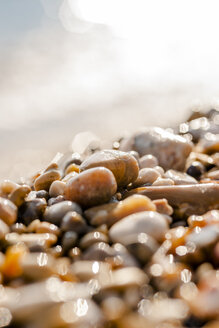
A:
104, 66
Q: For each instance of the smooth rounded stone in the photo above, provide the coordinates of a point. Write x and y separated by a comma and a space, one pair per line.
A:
86, 270
37, 266
33, 225
93, 237
92, 187
98, 252
31, 239
124, 278
73, 221
122, 257
75, 254
195, 169
72, 168
56, 200
163, 182
4, 229
152, 223
123, 165
163, 207
114, 308
69, 176
180, 178
56, 212
18, 227
7, 187
142, 246
47, 227
146, 176
160, 170
42, 194
56, 251
134, 154
171, 150
18, 195
148, 161
213, 175
111, 213
45, 180
8, 211
204, 237
57, 188
31, 210
69, 240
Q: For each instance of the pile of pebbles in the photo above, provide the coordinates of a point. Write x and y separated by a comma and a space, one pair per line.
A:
126, 237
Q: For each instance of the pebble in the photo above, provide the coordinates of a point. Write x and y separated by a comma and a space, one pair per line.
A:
18, 227
57, 188
148, 161
92, 187
31, 210
72, 168
180, 178
91, 238
213, 175
45, 180
98, 252
4, 229
123, 165
42, 194
8, 211
56, 200
146, 176
171, 150
47, 227
31, 239
111, 213
73, 221
163, 207
18, 195
7, 187
163, 182
37, 266
86, 270
196, 169
56, 212
152, 223
69, 240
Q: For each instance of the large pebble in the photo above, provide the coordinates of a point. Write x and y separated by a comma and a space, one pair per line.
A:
92, 187
123, 165
56, 212
171, 150
152, 223
8, 211
113, 212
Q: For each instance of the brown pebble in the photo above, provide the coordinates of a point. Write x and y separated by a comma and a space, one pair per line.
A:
47, 227
91, 187
57, 188
31, 239
8, 211
4, 229
45, 180
7, 187
18, 195
148, 161
91, 238
72, 221
123, 165
56, 212
18, 227
32, 209
146, 176
163, 207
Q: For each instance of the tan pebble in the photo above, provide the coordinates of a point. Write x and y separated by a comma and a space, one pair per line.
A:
163, 182
8, 211
44, 181
152, 223
111, 213
46, 227
4, 229
73, 221
31, 239
86, 270
113, 308
18, 227
123, 165
11, 267
55, 251
180, 178
33, 225
72, 168
69, 176
213, 175
57, 188
7, 187
91, 238
163, 207
159, 169
148, 161
146, 176
92, 187
75, 254
56, 212
18, 195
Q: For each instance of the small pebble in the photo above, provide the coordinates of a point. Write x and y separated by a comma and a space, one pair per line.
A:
57, 188
91, 238
148, 161
18, 195
180, 178
8, 211
73, 221
147, 176
163, 182
56, 212
69, 240
45, 180
196, 169
31, 210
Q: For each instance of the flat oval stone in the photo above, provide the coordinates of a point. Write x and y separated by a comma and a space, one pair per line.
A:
8, 211
57, 188
170, 149
152, 223
92, 187
18, 195
56, 212
45, 180
123, 165
180, 178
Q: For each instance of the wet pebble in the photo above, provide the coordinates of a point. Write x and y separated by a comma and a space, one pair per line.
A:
163, 207
123, 165
69, 240
196, 169
18, 227
91, 238
56, 212
57, 188
18, 195
42, 194
148, 161
92, 187
31, 210
8, 211
152, 223
73, 221
47, 227
180, 178
146, 176
45, 180
163, 182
